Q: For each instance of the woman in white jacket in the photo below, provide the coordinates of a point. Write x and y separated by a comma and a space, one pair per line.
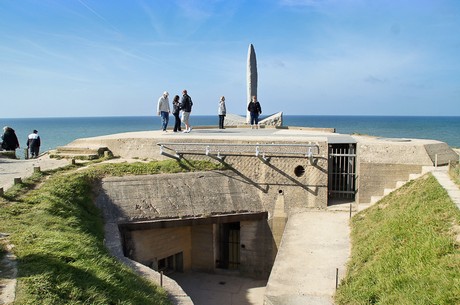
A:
222, 112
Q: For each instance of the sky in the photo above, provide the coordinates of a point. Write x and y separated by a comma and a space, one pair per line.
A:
78, 58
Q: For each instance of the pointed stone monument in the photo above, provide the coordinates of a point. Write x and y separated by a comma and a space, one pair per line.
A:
251, 74
252, 79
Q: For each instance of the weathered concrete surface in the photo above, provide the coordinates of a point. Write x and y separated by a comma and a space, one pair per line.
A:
314, 244
221, 289
143, 144
196, 194
403, 151
237, 120
20, 168
383, 162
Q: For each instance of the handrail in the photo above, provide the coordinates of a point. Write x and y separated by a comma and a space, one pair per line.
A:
221, 150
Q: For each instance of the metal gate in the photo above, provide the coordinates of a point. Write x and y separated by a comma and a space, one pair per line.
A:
342, 171
229, 250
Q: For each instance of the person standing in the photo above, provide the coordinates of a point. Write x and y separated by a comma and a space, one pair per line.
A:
186, 106
163, 110
222, 111
33, 144
9, 139
175, 112
254, 110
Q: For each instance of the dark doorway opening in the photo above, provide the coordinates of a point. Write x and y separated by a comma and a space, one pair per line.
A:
342, 173
229, 246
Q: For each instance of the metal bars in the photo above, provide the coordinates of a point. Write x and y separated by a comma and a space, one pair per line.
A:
342, 171
220, 150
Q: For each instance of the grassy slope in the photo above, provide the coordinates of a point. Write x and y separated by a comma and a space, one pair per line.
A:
405, 250
58, 238
454, 172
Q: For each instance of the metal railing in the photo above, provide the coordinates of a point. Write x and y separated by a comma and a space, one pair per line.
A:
221, 150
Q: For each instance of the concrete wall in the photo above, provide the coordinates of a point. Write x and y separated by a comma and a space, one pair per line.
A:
203, 248
383, 162
149, 246
373, 178
258, 249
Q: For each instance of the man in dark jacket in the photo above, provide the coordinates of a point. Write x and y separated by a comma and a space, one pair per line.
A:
254, 110
33, 144
9, 139
186, 106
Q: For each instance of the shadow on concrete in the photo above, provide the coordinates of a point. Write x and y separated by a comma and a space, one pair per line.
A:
222, 289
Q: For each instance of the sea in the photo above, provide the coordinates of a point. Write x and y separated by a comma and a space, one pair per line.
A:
57, 131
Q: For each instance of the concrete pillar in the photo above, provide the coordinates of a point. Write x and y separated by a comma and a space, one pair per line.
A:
1, 191
37, 169
72, 161
17, 180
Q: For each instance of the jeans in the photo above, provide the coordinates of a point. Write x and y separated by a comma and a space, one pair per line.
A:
254, 118
164, 119
221, 121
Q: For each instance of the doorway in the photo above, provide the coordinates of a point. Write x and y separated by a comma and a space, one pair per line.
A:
229, 246
342, 172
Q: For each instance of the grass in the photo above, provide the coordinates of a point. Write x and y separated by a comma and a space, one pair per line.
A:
454, 172
405, 249
57, 233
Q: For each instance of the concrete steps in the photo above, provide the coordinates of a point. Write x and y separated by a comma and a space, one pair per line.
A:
80, 153
386, 191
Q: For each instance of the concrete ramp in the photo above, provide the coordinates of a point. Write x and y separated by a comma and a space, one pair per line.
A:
314, 244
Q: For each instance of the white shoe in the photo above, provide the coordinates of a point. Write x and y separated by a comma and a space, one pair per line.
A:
190, 129
185, 131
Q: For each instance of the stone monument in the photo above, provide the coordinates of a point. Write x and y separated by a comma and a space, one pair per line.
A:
251, 74
252, 79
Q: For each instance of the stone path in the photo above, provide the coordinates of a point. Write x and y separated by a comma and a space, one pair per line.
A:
19, 168
452, 189
314, 245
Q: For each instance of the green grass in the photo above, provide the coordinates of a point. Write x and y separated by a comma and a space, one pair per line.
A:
454, 172
57, 233
404, 249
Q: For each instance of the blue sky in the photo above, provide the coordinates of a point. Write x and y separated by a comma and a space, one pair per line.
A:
315, 57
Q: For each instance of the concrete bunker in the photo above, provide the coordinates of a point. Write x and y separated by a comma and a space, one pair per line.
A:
214, 222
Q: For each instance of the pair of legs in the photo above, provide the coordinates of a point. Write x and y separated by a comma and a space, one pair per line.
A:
221, 121
254, 119
164, 120
33, 152
185, 119
177, 122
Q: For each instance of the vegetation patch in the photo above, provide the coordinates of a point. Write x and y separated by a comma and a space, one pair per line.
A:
405, 249
454, 172
57, 233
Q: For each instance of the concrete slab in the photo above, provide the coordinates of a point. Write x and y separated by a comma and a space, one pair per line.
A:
314, 245
20, 168
211, 289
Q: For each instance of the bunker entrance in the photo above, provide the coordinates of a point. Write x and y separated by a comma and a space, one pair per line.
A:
342, 173
229, 246
171, 263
